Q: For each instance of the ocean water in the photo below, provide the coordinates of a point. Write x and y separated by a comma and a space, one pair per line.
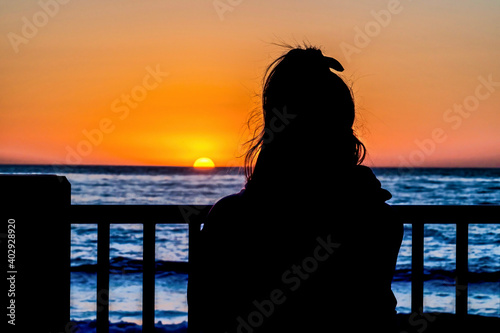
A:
99, 185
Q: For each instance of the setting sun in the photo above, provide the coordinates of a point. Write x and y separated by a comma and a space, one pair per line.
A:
204, 162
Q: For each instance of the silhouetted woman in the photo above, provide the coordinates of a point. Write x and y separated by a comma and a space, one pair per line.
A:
310, 244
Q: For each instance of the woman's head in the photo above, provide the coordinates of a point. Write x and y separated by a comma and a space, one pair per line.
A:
308, 114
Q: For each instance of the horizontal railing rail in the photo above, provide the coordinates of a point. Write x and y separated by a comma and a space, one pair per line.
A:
149, 216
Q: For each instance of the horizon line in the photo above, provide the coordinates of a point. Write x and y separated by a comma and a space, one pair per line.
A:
235, 166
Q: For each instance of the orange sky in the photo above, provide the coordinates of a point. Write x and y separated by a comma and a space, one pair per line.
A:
86, 81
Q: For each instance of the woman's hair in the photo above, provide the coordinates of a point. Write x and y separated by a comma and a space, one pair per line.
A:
304, 105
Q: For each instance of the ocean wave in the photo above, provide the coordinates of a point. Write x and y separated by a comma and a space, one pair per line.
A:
89, 326
437, 274
123, 265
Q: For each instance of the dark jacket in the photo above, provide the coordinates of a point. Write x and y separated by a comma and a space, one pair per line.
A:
288, 260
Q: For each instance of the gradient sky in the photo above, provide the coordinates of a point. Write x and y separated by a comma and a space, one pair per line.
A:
426, 77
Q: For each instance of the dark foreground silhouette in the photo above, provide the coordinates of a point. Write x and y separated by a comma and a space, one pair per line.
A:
310, 244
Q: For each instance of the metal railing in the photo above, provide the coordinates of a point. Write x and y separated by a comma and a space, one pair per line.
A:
149, 216
462, 216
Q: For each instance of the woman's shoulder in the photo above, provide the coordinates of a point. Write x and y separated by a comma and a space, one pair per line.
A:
224, 209
228, 202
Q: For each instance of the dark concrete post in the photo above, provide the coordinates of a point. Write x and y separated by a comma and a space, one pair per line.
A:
35, 253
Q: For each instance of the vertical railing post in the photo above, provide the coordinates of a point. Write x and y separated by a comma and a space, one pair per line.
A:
195, 249
148, 279
194, 231
417, 267
461, 286
102, 277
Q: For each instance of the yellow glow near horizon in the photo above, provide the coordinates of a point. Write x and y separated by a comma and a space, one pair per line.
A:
204, 162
